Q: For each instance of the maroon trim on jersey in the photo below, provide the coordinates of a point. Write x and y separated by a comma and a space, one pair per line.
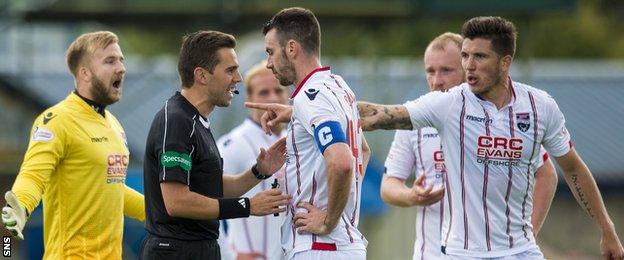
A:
306, 79
248, 235
324, 246
509, 182
422, 232
347, 228
296, 159
422, 163
461, 165
513, 92
450, 207
545, 156
486, 175
526, 194
313, 188
424, 208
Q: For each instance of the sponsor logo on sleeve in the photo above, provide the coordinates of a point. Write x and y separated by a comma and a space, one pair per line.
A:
311, 93
172, 159
42, 134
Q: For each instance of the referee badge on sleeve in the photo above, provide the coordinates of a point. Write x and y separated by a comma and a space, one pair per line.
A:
42, 134
172, 159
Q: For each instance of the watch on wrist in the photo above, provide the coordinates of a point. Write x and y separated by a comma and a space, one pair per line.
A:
257, 174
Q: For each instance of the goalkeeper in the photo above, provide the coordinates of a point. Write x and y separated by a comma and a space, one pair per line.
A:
77, 160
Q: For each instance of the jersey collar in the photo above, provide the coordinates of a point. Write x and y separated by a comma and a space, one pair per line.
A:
306, 79
82, 103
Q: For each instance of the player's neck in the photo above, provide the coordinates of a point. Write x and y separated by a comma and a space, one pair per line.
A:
199, 101
305, 67
500, 94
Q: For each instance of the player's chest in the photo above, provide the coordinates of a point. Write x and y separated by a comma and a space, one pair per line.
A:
506, 134
98, 147
98, 137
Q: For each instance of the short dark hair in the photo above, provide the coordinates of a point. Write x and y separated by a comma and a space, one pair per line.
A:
298, 24
199, 49
500, 32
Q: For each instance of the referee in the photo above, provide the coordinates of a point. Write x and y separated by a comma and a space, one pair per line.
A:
186, 192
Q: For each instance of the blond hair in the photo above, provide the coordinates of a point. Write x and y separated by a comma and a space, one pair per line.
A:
439, 42
252, 73
85, 45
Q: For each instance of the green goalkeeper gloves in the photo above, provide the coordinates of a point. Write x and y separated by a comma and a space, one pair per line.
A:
14, 215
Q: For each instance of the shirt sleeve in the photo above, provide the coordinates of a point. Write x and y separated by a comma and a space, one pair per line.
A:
430, 110
557, 140
134, 204
237, 154
315, 109
175, 156
47, 147
401, 158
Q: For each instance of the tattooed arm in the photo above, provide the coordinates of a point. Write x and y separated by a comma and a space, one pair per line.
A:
585, 190
376, 116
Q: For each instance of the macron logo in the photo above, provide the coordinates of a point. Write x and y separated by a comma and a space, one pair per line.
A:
311, 93
242, 202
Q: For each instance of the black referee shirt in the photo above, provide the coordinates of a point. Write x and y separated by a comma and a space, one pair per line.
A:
180, 148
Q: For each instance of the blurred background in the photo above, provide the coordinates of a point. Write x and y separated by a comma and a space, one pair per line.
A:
574, 49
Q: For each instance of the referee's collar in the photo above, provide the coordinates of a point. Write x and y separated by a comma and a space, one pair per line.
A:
204, 121
306, 79
189, 108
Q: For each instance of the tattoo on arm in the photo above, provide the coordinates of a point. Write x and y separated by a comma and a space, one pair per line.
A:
375, 116
581, 196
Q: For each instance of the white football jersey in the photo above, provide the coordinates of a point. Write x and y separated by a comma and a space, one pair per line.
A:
491, 158
240, 148
419, 152
321, 97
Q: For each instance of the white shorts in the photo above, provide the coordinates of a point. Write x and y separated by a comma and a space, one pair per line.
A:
531, 254
333, 255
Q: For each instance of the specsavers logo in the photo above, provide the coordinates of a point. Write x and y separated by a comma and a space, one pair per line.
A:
172, 159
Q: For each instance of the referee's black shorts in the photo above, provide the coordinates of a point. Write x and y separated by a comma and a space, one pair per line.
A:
167, 248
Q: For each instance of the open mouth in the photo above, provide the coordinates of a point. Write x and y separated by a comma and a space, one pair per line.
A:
472, 80
117, 84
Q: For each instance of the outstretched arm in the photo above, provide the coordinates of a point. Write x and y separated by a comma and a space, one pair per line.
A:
376, 116
585, 190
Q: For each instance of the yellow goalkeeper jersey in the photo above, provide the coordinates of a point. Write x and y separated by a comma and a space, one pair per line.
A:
77, 160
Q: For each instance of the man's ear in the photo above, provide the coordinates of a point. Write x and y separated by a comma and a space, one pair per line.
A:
84, 73
506, 63
201, 75
292, 48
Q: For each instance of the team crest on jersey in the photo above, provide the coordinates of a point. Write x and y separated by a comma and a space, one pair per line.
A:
524, 121
311, 93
